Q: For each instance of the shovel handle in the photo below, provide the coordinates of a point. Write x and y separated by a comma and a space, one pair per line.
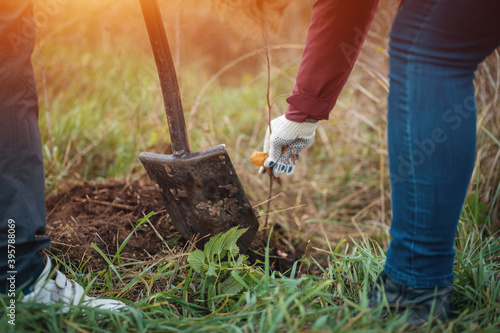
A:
168, 78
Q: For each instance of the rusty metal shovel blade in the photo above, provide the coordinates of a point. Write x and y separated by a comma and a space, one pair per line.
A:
202, 192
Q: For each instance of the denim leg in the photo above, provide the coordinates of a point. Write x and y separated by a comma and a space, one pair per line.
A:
436, 45
21, 167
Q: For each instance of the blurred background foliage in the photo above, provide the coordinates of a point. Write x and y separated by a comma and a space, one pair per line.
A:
100, 106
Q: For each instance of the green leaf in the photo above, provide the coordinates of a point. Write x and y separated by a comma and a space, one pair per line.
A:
231, 244
233, 249
239, 262
239, 279
211, 269
219, 245
211, 293
236, 234
197, 260
208, 248
230, 286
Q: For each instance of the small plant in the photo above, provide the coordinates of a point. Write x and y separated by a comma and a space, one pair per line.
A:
220, 265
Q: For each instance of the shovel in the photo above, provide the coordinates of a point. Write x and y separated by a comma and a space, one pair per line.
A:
201, 190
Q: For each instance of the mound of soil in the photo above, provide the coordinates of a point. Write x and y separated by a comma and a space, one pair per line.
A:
105, 213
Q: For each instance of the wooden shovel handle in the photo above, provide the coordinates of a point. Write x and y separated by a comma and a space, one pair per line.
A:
168, 78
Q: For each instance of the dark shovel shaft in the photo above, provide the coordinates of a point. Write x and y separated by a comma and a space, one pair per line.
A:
168, 78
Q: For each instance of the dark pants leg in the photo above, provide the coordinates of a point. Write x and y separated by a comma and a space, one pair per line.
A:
22, 200
436, 45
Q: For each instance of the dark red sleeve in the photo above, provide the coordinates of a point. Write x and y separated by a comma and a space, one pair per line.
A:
337, 32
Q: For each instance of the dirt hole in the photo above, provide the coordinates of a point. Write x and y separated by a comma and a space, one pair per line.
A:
105, 213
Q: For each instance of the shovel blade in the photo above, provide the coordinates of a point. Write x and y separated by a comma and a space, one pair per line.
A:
202, 193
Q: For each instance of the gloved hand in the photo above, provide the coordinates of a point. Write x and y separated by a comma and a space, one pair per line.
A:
287, 134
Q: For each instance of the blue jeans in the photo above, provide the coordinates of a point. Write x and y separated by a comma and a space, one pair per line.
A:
22, 199
435, 47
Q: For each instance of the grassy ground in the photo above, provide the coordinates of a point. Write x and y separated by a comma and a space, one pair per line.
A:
101, 106
181, 293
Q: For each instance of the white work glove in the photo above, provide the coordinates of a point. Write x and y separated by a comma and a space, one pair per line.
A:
287, 134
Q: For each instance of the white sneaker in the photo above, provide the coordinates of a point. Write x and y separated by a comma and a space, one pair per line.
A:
51, 291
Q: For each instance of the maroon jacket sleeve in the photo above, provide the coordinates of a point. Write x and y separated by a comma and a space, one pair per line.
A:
337, 32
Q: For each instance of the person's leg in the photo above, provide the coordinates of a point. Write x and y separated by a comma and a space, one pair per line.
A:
22, 200
435, 47
22, 181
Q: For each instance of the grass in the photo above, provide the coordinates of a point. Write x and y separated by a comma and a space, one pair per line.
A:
178, 294
100, 107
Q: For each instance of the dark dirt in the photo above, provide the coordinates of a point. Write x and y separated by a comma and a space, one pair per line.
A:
105, 213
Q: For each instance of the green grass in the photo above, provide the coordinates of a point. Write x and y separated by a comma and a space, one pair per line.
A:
227, 295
